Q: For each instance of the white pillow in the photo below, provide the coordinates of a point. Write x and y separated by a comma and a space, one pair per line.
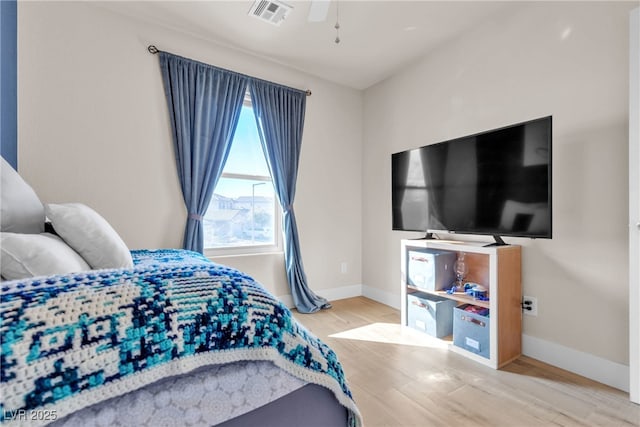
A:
21, 209
90, 235
31, 255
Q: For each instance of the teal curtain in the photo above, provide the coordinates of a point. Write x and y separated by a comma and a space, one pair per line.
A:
280, 114
204, 108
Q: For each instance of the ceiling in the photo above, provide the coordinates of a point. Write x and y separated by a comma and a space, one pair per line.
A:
378, 38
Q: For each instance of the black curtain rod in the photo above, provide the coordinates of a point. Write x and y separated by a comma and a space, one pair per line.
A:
153, 50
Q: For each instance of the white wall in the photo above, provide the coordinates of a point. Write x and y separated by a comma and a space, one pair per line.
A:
634, 204
93, 127
568, 60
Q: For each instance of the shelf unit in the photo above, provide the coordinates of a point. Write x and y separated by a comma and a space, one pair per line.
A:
498, 268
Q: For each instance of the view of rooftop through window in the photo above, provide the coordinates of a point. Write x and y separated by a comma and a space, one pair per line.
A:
242, 210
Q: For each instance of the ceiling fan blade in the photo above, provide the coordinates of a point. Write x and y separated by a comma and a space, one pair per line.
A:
318, 10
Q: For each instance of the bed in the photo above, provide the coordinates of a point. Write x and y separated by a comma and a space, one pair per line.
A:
167, 337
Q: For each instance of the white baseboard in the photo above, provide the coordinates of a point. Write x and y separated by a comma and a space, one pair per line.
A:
593, 367
392, 299
332, 294
287, 300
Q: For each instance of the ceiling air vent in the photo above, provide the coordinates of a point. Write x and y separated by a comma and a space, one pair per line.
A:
272, 11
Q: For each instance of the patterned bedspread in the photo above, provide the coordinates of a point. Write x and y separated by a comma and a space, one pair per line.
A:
71, 341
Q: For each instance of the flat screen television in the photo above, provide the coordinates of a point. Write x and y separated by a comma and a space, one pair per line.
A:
496, 183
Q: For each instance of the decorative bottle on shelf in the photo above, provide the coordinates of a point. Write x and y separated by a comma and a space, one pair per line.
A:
460, 269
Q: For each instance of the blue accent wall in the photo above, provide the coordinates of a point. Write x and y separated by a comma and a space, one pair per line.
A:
9, 81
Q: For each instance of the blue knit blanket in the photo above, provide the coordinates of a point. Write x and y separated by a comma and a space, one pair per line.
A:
71, 341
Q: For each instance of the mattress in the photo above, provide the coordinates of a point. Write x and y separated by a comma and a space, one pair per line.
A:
205, 397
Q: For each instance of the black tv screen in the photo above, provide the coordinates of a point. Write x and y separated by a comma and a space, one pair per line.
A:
496, 183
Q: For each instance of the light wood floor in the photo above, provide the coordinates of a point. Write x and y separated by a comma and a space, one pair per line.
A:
401, 377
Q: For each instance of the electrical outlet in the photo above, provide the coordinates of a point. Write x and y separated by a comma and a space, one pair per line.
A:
343, 268
530, 306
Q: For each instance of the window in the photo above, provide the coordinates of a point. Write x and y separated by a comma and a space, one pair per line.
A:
242, 215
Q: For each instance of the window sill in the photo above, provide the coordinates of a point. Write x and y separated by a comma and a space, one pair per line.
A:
243, 251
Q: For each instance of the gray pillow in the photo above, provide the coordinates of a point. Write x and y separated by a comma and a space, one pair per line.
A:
21, 209
32, 255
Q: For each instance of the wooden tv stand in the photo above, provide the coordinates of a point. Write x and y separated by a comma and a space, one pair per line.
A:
497, 268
